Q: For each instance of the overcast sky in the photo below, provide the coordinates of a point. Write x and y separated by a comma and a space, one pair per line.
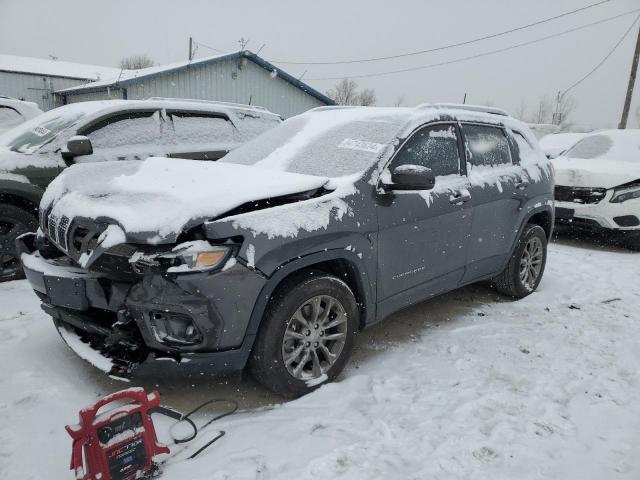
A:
88, 31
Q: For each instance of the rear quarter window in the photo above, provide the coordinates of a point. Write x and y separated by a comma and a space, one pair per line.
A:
525, 153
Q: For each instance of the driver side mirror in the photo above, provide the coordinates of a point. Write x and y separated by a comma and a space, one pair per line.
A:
78, 146
411, 177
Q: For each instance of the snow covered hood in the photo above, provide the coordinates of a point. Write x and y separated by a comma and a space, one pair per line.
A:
602, 159
158, 197
579, 172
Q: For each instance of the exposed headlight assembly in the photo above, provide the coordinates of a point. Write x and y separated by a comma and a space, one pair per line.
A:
197, 256
623, 194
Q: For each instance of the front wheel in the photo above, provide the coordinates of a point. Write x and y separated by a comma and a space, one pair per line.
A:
306, 336
14, 221
524, 271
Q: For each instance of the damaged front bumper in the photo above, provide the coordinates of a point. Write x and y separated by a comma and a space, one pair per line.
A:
117, 322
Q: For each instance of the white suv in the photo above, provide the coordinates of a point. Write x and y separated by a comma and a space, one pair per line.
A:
598, 184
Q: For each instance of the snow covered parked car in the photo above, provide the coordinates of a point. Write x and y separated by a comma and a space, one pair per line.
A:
598, 185
34, 153
555, 144
279, 253
13, 112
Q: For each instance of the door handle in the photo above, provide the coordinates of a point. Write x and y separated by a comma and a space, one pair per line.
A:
522, 185
458, 198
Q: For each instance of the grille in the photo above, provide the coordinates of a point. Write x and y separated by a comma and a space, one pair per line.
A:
584, 195
63, 226
57, 229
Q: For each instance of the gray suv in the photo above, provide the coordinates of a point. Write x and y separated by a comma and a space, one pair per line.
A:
277, 255
34, 153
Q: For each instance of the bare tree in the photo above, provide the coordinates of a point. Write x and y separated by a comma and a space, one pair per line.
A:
542, 113
521, 110
135, 62
565, 107
366, 98
399, 101
346, 93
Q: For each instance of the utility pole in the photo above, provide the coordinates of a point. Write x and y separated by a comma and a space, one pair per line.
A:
632, 81
556, 119
190, 48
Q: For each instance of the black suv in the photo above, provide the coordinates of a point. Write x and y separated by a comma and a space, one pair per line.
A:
276, 255
35, 152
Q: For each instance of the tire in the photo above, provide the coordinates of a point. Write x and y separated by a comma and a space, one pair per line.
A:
633, 243
274, 361
531, 248
14, 221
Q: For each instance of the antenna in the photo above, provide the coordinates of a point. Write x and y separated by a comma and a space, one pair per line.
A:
243, 43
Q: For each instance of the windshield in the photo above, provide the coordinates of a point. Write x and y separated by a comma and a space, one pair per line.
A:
618, 146
329, 143
33, 134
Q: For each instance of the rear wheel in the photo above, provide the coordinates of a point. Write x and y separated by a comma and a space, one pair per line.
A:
525, 268
14, 221
306, 336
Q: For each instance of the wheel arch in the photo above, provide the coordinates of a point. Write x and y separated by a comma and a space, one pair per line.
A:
25, 196
343, 264
543, 216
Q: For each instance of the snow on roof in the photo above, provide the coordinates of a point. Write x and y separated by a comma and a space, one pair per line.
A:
55, 68
128, 76
124, 76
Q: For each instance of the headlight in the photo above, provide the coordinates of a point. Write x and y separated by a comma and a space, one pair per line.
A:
624, 194
197, 256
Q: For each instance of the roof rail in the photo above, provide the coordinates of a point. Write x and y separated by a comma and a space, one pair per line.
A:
212, 102
464, 106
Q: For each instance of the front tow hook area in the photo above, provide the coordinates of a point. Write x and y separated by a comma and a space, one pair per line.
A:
25, 243
116, 350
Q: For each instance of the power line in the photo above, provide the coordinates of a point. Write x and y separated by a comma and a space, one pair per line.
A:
485, 54
210, 48
445, 47
615, 47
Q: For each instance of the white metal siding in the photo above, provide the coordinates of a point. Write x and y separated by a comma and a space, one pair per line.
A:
111, 94
35, 88
252, 84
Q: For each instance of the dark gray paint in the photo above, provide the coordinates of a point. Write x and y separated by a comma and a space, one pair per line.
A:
398, 250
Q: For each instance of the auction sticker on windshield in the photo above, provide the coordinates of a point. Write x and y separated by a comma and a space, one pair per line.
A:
353, 144
41, 131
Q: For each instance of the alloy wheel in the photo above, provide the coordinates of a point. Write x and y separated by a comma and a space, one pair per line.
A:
9, 261
314, 337
531, 263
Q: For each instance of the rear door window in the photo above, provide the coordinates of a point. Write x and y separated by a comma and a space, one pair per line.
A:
192, 128
434, 147
486, 145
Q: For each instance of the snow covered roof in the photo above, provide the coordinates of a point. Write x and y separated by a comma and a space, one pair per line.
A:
55, 68
127, 77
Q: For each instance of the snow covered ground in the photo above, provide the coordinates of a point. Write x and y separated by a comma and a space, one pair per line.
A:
469, 385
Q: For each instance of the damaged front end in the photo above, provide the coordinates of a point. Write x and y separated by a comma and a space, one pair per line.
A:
130, 302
